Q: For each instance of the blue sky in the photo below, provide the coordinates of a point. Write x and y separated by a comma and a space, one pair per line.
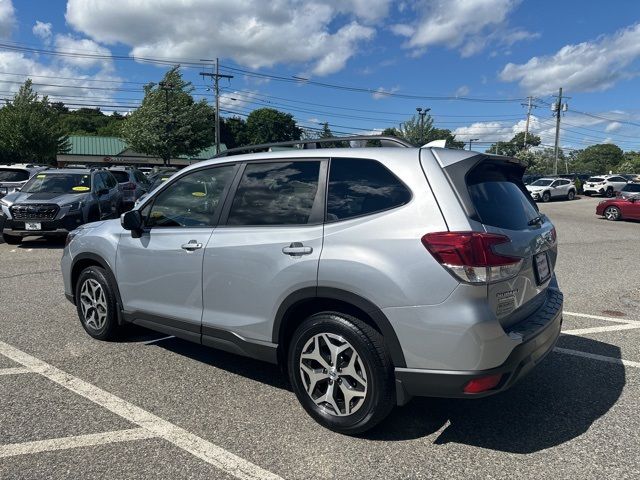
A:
482, 50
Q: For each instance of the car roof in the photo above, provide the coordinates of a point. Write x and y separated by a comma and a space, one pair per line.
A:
84, 171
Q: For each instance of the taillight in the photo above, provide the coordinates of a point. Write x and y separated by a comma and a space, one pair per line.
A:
470, 255
482, 384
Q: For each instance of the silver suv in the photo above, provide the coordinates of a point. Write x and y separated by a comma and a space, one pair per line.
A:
370, 274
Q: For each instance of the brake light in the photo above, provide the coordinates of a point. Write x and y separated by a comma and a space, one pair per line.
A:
470, 255
129, 186
482, 384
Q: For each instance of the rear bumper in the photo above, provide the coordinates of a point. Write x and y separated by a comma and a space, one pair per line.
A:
539, 334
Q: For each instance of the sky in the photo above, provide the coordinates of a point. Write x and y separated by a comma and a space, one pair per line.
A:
360, 65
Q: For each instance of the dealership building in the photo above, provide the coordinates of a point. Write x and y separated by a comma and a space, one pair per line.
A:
96, 150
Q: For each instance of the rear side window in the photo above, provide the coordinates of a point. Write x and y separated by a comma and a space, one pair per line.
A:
362, 187
617, 179
276, 193
121, 176
13, 175
499, 196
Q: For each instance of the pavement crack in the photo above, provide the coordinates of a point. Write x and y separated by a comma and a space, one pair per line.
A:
53, 270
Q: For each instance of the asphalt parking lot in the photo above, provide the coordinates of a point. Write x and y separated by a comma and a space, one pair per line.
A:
155, 407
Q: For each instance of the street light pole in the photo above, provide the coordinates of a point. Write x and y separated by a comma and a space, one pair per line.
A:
471, 140
422, 112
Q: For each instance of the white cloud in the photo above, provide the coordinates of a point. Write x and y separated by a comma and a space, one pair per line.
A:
466, 25
462, 91
381, 92
7, 18
68, 43
237, 99
42, 30
613, 126
588, 66
255, 33
504, 131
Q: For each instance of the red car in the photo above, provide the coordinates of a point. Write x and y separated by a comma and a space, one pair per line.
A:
620, 208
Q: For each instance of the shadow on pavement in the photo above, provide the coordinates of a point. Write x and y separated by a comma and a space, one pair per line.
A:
40, 243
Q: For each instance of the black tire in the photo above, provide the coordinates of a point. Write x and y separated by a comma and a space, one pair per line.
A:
612, 213
110, 329
546, 197
609, 193
368, 343
571, 195
11, 240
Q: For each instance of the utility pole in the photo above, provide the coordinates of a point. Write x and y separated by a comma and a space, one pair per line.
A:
558, 107
529, 106
216, 79
471, 140
422, 112
167, 87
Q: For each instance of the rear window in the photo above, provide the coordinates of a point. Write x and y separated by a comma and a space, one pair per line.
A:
500, 197
632, 187
596, 179
122, 177
13, 175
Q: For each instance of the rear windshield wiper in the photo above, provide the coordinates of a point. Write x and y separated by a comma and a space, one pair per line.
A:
536, 221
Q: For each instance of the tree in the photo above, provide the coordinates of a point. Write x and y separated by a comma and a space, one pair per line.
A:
419, 134
540, 161
515, 145
599, 159
267, 125
170, 123
29, 128
89, 121
327, 133
630, 163
233, 132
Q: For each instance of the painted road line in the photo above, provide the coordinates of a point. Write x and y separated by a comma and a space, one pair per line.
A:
601, 358
203, 449
77, 441
14, 371
599, 317
156, 340
608, 328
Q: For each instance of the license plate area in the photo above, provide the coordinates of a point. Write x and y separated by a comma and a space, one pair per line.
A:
541, 267
32, 226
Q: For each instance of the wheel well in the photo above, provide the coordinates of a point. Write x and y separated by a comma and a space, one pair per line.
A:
298, 312
79, 266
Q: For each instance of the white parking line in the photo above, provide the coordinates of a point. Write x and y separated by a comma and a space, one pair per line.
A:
103, 438
599, 317
207, 451
14, 370
608, 328
601, 358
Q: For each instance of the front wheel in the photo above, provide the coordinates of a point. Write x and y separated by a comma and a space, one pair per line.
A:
612, 213
96, 304
546, 197
11, 240
571, 195
341, 372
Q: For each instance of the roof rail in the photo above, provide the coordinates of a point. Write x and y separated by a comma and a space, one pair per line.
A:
312, 143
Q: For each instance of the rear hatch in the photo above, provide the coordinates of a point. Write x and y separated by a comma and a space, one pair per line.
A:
519, 242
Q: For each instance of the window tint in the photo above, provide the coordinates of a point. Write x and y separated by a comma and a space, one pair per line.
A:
110, 180
192, 200
280, 193
361, 187
98, 183
139, 176
13, 175
499, 196
617, 179
121, 176
631, 187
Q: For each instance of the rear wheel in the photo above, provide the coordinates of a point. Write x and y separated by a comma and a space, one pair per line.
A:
546, 197
11, 240
341, 372
609, 192
612, 213
571, 195
96, 304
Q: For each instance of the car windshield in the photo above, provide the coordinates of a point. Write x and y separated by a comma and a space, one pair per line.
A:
59, 183
542, 183
596, 179
13, 175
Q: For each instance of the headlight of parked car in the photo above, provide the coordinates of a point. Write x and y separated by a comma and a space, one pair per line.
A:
75, 206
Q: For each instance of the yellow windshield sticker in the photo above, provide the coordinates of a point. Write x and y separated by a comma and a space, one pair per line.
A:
199, 194
40, 177
80, 189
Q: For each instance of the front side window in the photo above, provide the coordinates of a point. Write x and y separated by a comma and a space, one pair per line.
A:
361, 187
276, 193
58, 183
13, 175
192, 200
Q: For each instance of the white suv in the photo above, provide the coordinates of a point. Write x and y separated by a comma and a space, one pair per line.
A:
607, 185
547, 188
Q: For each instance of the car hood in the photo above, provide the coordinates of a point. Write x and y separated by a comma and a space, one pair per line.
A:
535, 188
44, 197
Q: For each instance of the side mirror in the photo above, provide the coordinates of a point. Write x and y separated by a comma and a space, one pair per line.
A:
132, 221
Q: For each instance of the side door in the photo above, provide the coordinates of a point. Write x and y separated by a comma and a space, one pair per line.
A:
101, 192
268, 245
556, 189
618, 183
160, 273
114, 192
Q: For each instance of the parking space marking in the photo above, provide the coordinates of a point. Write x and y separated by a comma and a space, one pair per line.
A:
602, 358
200, 448
14, 370
608, 328
77, 441
599, 317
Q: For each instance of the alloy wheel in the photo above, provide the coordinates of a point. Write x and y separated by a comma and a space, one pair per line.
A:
93, 303
612, 213
333, 374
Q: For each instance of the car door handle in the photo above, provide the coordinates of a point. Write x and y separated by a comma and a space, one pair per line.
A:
191, 246
296, 249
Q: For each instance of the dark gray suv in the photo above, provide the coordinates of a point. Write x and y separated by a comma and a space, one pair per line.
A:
54, 202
